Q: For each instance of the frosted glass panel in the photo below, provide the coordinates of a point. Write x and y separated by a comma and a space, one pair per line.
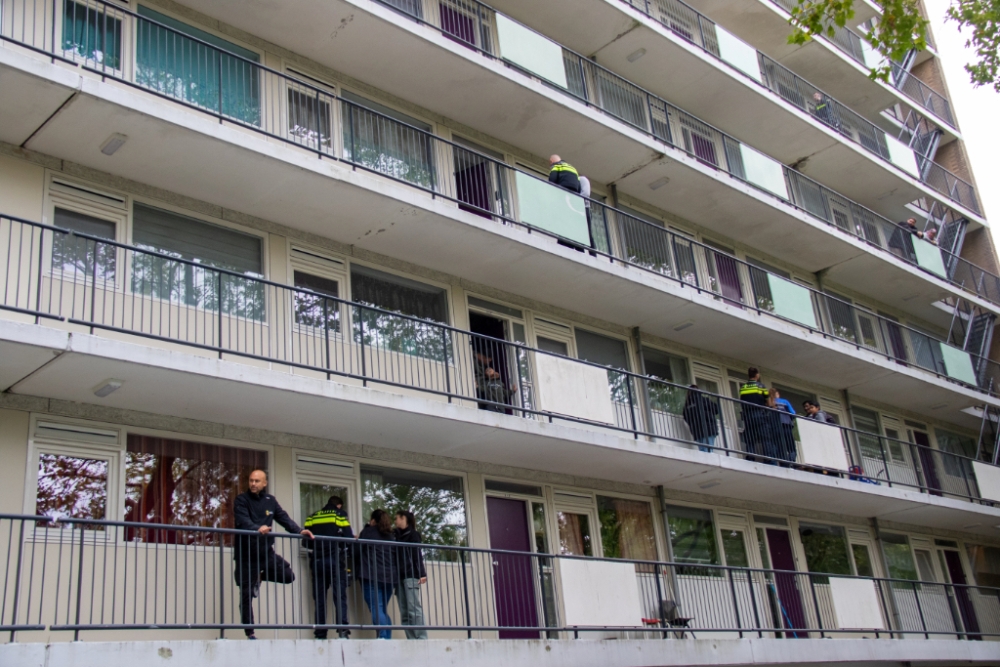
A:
856, 604
902, 156
792, 301
570, 388
958, 364
737, 53
987, 479
600, 594
822, 444
763, 171
552, 208
929, 256
531, 51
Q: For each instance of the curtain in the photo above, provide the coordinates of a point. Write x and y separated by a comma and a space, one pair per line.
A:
90, 33
626, 529
197, 67
184, 483
574, 534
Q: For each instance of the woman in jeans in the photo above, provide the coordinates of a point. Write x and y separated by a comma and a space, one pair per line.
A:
377, 568
411, 574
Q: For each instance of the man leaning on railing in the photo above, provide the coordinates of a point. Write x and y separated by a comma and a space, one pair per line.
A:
254, 555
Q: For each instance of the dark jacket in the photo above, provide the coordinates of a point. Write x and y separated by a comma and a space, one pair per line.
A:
410, 559
822, 416
253, 510
329, 522
565, 175
701, 413
375, 562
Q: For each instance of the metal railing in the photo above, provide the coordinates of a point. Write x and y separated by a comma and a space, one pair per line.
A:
688, 24
89, 577
852, 44
228, 86
84, 280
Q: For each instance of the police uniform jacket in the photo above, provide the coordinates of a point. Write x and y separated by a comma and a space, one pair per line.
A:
329, 522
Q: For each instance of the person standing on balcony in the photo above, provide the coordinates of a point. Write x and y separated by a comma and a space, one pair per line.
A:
756, 433
377, 568
254, 555
786, 427
412, 574
701, 414
329, 563
564, 174
813, 411
901, 240
822, 109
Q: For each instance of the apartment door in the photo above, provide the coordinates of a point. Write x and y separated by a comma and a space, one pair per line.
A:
728, 433
502, 372
954, 573
479, 185
513, 575
925, 456
893, 335
784, 587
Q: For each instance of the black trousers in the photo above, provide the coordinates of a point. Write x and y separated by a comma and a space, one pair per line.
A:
330, 571
251, 570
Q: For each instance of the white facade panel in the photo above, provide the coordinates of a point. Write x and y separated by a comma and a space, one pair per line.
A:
600, 594
570, 388
738, 53
822, 445
855, 604
764, 171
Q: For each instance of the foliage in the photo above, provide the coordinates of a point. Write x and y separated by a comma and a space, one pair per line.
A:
982, 17
72, 486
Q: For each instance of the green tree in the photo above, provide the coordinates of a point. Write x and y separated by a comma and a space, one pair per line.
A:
901, 27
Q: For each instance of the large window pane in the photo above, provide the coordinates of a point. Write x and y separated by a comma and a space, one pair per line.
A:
71, 486
197, 67
437, 501
626, 529
387, 141
207, 246
89, 32
77, 257
826, 549
309, 118
316, 311
664, 398
383, 331
184, 484
898, 557
574, 534
692, 538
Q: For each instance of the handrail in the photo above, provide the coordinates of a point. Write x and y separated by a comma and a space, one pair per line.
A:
77, 574
76, 277
796, 90
313, 125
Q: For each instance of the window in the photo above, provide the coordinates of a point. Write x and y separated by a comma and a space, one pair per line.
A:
196, 67
647, 244
387, 141
316, 311
74, 486
184, 484
626, 528
620, 99
574, 534
961, 446
898, 557
553, 346
81, 257
692, 538
91, 33
669, 368
310, 117
602, 350
985, 562
825, 548
436, 500
385, 331
841, 314
204, 246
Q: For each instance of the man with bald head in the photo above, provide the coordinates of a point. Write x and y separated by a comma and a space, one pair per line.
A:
564, 174
254, 556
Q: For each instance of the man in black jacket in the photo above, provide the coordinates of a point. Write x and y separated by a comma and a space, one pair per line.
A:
329, 562
255, 558
564, 174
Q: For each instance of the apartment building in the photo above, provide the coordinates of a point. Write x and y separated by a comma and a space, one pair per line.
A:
318, 240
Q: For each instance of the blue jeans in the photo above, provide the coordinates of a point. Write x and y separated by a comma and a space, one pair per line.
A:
377, 596
707, 440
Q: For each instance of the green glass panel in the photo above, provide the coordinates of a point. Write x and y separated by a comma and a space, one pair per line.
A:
792, 301
552, 208
193, 66
958, 364
929, 257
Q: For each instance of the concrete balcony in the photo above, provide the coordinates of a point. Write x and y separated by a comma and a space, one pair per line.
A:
749, 94
415, 222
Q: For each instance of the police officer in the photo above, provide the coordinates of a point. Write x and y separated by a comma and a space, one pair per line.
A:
254, 555
564, 174
753, 394
329, 562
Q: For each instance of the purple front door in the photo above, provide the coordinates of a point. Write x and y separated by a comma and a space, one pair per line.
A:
513, 576
787, 590
729, 279
927, 464
458, 25
965, 608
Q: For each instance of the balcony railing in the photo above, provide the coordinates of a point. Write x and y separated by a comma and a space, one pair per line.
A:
688, 24
230, 87
81, 576
79, 279
850, 43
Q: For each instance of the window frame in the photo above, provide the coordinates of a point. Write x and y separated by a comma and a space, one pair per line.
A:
321, 265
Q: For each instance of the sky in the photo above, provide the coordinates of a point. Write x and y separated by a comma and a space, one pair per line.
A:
977, 108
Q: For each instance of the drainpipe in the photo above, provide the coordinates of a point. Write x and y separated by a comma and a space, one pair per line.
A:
885, 567
647, 411
670, 546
